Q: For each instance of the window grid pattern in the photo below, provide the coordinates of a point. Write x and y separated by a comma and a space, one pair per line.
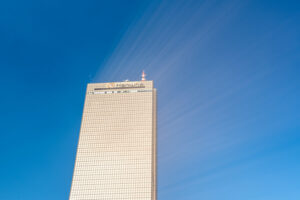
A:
115, 148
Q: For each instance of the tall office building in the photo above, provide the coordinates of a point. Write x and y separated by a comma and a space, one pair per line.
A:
116, 154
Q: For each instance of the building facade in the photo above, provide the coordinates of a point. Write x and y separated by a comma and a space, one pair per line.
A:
116, 153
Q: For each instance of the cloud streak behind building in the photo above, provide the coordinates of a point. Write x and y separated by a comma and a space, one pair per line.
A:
223, 93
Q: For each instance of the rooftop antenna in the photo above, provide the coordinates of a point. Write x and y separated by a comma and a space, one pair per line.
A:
143, 76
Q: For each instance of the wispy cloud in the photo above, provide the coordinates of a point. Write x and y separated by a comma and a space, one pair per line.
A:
212, 93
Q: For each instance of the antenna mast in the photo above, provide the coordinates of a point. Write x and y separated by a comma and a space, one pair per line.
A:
143, 76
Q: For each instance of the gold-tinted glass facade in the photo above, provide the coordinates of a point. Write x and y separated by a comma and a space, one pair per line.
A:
116, 154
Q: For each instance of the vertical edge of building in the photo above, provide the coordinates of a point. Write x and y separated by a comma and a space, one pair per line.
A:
154, 151
82, 116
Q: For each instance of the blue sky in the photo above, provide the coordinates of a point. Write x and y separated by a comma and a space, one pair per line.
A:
227, 74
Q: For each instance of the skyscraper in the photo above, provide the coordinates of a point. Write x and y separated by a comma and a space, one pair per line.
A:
116, 153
